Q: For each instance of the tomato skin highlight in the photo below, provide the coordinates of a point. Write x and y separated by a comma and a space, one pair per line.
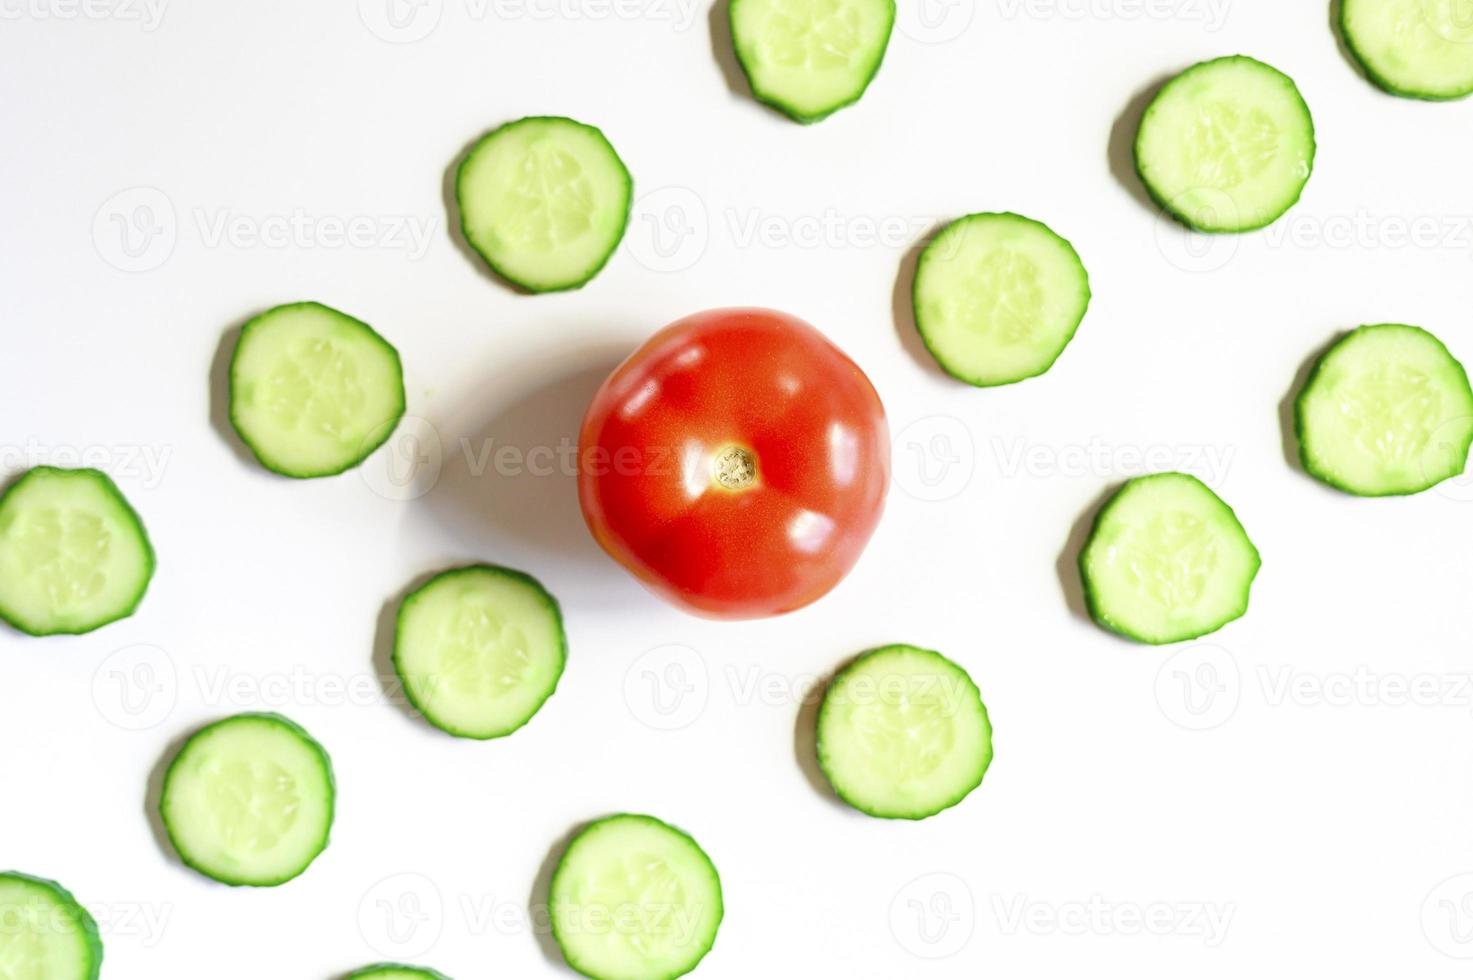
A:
736, 463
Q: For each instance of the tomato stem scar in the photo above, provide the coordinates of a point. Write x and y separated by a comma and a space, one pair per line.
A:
735, 467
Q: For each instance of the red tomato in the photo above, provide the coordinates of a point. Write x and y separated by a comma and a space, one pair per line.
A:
737, 463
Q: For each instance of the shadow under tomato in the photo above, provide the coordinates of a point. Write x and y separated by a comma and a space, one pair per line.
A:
508, 488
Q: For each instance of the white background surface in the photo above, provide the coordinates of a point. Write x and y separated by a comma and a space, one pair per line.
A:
1318, 820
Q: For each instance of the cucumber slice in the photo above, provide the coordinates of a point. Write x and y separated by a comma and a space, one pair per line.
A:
1421, 49
545, 201
45, 934
1167, 561
998, 297
1227, 145
395, 971
73, 554
480, 649
313, 391
903, 733
249, 800
1386, 411
810, 58
635, 899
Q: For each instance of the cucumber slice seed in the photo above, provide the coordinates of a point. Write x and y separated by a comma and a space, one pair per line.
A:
1227, 145
810, 58
45, 934
1386, 411
903, 733
1167, 561
545, 201
396, 971
313, 391
249, 800
479, 649
633, 898
73, 554
998, 297
1420, 49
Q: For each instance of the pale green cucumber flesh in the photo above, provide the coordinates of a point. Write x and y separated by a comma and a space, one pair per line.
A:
313, 391
396, 971
545, 201
1167, 561
810, 58
1421, 49
902, 733
45, 934
249, 800
479, 650
73, 554
633, 898
1386, 411
998, 297
1227, 145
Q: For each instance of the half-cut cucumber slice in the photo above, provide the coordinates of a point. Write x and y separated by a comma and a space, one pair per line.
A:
810, 58
1387, 411
249, 800
545, 201
1167, 561
480, 649
313, 391
395, 971
45, 934
633, 898
1422, 49
903, 733
998, 297
1227, 145
73, 554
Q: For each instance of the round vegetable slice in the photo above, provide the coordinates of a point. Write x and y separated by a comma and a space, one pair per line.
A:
313, 391
1421, 49
633, 898
998, 297
545, 201
249, 800
1386, 411
903, 733
479, 650
1167, 561
810, 58
45, 934
73, 554
1227, 145
395, 971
